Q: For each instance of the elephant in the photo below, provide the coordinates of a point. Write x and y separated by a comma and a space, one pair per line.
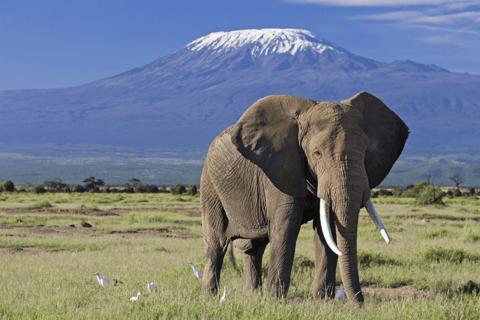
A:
287, 161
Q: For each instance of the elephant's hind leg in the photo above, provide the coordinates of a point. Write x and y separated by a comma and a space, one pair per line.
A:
252, 263
214, 224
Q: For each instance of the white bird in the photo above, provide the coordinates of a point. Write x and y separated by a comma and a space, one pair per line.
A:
341, 294
135, 298
224, 293
197, 272
102, 281
151, 286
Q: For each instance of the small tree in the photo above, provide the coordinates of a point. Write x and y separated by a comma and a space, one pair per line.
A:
458, 180
91, 183
55, 184
134, 182
429, 176
140, 188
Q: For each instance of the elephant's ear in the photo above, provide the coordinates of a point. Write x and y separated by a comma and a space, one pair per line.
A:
387, 133
267, 135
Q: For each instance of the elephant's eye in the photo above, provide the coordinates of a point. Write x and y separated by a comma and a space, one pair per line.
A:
317, 154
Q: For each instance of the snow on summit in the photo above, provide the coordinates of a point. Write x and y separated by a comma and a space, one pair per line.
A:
263, 42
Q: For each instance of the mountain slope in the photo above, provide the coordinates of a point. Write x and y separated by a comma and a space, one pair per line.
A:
186, 98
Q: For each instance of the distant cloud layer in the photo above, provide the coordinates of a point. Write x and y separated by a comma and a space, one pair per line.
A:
391, 3
454, 22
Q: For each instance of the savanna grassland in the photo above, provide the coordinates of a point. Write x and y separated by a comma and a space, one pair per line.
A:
47, 266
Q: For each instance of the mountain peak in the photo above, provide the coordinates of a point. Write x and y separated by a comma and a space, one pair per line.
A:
263, 41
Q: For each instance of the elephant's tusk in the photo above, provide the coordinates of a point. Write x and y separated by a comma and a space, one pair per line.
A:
327, 232
376, 219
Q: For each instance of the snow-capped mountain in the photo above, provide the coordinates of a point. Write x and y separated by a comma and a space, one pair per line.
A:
263, 42
186, 98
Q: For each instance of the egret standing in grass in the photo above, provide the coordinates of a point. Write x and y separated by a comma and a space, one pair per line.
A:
341, 294
102, 281
224, 294
197, 272
135, 298
151, 286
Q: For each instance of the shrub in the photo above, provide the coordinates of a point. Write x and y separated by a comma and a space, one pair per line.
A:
398, 192
367, 258
7, 185
67, 189
150, 188
302, 261
430, 195
178, 189
106, 190
37, 189
192, 189
79, 189
140, 188
457, 193
163, 190
437, 253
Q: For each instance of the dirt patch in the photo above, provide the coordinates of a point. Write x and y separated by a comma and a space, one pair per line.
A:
107, 212
194, 213
61, 231
27, 250
375, 292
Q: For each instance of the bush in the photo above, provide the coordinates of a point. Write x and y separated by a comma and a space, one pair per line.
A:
150, 188
437, 253
140, 188
163, 190
37, 189
7, 185
79, 189
398, 192
457, 193
368, 258
67, 189
192, 189
178, 189
430, 195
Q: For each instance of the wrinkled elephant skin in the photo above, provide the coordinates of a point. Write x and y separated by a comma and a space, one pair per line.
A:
266, 175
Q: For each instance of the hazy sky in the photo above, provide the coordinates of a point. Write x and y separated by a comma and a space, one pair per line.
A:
58, 43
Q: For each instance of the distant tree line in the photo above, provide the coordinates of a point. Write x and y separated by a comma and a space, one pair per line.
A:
93, 185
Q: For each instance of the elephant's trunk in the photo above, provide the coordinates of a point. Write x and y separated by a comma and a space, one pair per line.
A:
346, 193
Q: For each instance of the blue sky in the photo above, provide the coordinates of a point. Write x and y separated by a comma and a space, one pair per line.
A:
51, 44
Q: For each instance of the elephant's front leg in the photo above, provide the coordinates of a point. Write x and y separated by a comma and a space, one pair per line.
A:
283, 237
325, 263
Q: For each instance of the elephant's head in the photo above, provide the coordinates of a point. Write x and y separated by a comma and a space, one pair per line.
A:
344, 149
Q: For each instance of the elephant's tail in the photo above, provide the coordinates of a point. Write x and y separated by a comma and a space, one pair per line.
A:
230, 254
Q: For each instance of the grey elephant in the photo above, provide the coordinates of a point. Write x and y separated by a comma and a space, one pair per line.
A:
287, 161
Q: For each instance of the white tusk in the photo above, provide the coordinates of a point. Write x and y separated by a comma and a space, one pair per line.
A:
327, 232
376, 219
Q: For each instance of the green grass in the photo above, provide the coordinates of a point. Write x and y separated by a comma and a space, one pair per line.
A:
50, 275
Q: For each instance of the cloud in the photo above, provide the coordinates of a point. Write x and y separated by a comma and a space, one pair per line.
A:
454, 4
418, 17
